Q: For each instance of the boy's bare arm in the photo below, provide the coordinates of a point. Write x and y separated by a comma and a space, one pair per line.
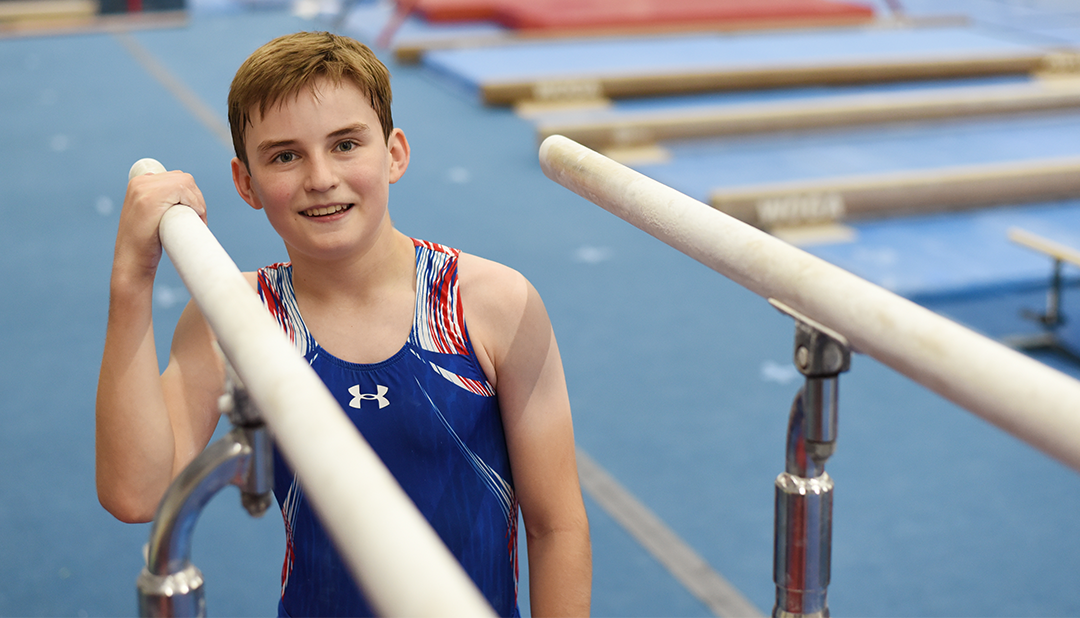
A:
518, 342
149, 425
540, 438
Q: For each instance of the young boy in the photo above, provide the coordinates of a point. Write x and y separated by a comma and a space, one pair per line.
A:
446, 362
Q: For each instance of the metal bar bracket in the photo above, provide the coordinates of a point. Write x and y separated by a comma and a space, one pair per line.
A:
803, 527
170, 585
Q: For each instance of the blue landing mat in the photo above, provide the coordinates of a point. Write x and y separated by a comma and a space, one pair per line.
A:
659, 55
671, 105
1049, 22
917, 257
697, 167
957, 254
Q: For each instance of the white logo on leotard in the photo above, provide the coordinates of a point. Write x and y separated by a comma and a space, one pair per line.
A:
359, 397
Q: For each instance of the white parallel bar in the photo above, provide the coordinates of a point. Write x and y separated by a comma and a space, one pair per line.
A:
1018, 394
398, 559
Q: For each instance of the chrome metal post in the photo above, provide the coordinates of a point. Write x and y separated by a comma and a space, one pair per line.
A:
170, 585
803, 529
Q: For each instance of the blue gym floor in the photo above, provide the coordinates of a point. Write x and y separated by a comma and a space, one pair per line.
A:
681, 381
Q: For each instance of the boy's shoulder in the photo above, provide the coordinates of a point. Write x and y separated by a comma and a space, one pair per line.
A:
503, 311
486, 280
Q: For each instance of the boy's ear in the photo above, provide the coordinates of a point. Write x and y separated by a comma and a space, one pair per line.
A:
242, 180
399, 154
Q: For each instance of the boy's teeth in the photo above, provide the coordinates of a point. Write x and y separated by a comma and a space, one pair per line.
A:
329, 210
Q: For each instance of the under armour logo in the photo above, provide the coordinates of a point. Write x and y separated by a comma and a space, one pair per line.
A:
358, 397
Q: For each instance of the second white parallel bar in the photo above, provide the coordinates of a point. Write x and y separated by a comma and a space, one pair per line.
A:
1018, 394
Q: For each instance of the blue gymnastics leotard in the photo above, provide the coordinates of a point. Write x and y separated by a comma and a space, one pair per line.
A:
431, 415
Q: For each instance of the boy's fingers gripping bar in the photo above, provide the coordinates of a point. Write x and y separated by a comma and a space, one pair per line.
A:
146, 166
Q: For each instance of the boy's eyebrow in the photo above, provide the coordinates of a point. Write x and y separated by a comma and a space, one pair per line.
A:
358, 128
271, 145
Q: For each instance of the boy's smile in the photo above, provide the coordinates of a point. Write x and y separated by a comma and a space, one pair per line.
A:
327, 211
320, 158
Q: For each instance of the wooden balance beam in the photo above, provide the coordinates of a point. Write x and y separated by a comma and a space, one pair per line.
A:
22, 15
643, 128
616, 86
1055, 250
23, 18
831, 200
1051, 318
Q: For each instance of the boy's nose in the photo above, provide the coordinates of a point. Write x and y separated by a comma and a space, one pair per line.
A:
321, 174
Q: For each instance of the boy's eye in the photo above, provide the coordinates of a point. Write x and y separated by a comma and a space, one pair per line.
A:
346, 146
284, 157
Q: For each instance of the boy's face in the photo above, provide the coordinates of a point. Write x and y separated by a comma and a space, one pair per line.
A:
321, 171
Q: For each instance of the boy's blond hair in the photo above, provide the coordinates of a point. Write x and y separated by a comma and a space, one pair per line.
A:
282, 68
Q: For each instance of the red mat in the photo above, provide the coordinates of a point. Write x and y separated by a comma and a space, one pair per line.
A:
600, 14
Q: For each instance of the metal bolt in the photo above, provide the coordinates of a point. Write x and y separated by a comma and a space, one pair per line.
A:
802, 357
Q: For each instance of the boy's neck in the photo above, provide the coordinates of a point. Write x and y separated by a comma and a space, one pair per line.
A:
388, 263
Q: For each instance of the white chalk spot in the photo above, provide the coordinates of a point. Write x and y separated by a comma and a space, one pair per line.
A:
168, 297
458, 175
59, 143
772, 371
593, 255
104, 205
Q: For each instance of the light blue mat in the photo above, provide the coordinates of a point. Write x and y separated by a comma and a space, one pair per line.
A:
716, 52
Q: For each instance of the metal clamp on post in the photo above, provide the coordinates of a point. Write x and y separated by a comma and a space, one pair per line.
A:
803, 533
170, 585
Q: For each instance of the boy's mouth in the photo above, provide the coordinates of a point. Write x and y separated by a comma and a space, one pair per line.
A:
326, 210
